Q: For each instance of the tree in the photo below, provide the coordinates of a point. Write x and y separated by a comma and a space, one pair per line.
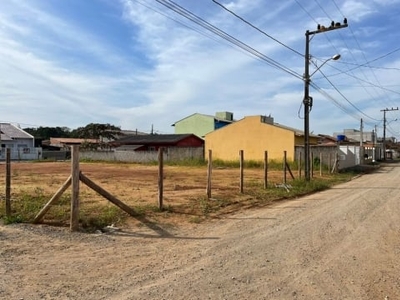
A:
46, 133
97, 131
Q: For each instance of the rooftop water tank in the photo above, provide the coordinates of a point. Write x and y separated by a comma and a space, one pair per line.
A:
341, 138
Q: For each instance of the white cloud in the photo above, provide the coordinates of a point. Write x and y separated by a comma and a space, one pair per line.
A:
357, 10
56, 72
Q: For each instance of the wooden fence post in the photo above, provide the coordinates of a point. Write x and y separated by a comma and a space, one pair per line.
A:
299, 160
74, 222
312, 164
284, 167
329, 161
160, 177
320, 164
241, 170
209, 172
265, 169
8, 182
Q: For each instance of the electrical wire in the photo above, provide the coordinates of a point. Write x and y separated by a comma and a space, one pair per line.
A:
336, 103
258, 29
344, 97
189, 27
346, 45
362, 80
248, 49
380, 98
367, 64
206, 25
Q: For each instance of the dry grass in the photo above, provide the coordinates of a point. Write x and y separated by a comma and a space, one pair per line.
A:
136, 185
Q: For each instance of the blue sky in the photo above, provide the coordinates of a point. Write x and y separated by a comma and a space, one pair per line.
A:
138, 64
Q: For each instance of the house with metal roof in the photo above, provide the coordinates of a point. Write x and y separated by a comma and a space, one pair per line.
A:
201, 124
14, 137
19, 141
152, 142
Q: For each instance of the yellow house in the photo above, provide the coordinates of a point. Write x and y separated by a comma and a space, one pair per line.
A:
255, 135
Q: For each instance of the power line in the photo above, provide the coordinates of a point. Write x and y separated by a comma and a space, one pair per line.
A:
201, 22
337, 103
227, 37
365, 59
320, 90
365, 81
344, 97
302, 7
184, 24
345, 43
378, 58
258, 29
378, 97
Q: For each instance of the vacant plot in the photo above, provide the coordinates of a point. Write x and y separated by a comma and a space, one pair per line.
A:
136, 185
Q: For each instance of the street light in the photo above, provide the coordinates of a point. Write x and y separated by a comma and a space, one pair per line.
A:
307, 101
335, 57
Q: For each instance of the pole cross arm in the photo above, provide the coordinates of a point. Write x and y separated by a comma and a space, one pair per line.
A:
333, 26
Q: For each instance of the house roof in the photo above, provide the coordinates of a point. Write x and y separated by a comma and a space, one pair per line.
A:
128, 147
153, 139
205, 115
125, 132
10, 132
296, 131
65, 141
327, 139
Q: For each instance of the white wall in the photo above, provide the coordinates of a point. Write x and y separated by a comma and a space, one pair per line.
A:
29, 153
170, 154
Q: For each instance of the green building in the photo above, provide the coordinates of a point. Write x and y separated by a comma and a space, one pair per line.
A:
201, 124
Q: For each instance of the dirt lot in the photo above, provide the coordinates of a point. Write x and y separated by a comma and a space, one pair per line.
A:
343, 243
137, 186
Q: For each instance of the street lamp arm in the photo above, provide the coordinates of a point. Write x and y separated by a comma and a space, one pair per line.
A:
335, 57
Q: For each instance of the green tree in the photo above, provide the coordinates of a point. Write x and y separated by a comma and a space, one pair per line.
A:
46, 133
97, 131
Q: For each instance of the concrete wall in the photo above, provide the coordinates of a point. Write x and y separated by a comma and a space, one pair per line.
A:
324, 154
19, 143
22, 153
348, 155
252, 136
170, 154
56, 155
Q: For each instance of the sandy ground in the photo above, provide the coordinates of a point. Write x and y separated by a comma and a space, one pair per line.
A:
137, 186
343, 243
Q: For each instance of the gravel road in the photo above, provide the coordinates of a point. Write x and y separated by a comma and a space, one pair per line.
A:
343, 243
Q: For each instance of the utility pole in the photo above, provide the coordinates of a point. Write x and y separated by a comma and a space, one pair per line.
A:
375, 141
1, 148
384, 129
373, 145
307, 101
361, 143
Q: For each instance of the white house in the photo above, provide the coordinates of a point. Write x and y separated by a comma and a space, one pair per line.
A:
21, 143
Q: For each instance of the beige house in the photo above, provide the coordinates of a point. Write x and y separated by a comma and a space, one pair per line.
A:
255, 135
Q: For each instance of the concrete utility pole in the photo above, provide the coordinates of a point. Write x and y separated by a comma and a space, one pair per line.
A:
307, 101
384, 129
361, 142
